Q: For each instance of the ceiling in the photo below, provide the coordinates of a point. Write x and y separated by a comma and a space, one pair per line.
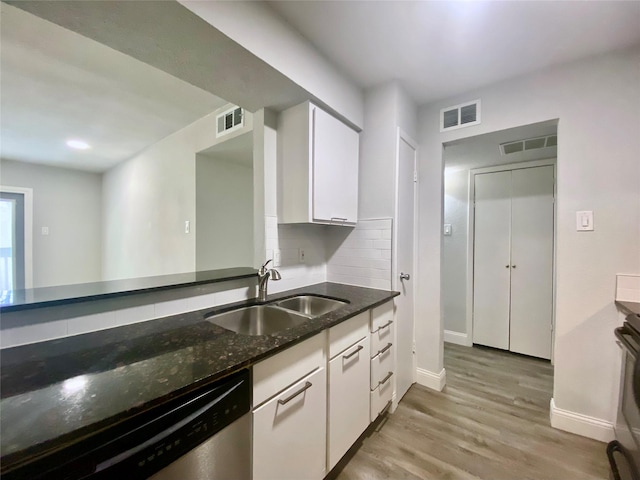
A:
437, 49
484, 150
57, 85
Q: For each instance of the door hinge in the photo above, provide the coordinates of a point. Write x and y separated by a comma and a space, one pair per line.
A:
413, 347
415, 176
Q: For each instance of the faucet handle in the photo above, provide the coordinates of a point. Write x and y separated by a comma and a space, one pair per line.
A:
263, 269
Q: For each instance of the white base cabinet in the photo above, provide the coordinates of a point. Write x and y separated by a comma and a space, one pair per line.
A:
312, 401
289, 432
348, 404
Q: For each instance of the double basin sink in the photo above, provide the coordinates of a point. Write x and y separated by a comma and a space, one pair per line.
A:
275, 317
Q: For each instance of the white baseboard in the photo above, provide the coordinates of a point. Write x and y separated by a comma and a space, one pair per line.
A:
456, 337
435, 381
579, 424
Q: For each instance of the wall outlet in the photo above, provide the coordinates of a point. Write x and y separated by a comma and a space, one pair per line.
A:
277, 258
187, 226
301, 256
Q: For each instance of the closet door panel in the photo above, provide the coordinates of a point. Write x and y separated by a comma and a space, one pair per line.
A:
532, 261
491, 258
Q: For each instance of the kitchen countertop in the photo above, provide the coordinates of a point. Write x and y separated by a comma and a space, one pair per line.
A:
57, 392
16, 300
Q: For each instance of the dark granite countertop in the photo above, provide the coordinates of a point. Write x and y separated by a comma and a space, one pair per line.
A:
57, 392
13, 301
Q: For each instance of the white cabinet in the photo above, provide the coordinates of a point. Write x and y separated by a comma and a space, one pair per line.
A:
289, 432
317, 168
382, 358
348, 398
289, 415
513, 260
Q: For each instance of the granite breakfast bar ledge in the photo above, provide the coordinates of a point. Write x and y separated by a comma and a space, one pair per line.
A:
57, 392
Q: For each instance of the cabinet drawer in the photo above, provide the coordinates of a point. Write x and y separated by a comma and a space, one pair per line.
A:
381, 365
382, 337
289, 432
278, 372
381, 316
380, 397
348, 399
347, 333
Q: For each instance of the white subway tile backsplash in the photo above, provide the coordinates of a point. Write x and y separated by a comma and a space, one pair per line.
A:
364, 257
142, 313
202, 301
91, 323
628, 288
172, 307
235, 295
40, 332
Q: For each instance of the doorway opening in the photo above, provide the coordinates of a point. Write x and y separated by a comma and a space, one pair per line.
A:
15, 238
499, 211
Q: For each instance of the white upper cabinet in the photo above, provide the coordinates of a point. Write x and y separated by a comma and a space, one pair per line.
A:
317, 168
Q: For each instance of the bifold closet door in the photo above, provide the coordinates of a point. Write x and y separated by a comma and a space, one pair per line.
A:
491, 259
532, 261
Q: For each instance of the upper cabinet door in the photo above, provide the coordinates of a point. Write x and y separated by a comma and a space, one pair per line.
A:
317, 168
335, 170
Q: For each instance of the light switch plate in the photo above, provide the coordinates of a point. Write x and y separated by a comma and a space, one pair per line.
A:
584, 221
447, 229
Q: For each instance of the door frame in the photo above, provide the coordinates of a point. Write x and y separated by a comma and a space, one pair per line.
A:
471, 237
28, 230
401, 135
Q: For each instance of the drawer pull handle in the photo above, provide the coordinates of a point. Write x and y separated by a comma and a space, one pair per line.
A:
384, 326
346, 357
338, 220
306, 386
384, 380
384, 349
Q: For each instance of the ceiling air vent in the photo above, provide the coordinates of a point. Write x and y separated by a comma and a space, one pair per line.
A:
229, 120
458, 116
528, 144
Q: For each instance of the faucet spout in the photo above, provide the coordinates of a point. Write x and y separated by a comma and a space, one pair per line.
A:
263, 279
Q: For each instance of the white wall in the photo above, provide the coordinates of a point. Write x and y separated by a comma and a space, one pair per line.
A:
224, 213
386, 108
69, 203
257, 28
596, 102
147, 200
454, 252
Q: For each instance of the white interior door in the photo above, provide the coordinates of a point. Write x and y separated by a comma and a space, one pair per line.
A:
405, 244
492, 259
532, 261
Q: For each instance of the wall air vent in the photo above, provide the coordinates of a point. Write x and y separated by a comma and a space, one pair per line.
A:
528, 144
229, 121
459, 116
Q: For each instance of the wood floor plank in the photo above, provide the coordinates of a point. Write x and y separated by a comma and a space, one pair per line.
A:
491, 422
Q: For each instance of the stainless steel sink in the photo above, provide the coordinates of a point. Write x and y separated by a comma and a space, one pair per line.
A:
258, 320
311, 305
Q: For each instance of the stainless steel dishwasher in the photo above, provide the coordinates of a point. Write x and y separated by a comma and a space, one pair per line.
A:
204, 435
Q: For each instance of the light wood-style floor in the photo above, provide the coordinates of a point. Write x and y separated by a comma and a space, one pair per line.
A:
491, 422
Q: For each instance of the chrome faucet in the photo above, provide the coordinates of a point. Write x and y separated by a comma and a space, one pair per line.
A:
263, 277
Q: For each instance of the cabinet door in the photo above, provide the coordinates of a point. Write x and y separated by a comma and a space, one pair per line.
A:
289, 432
348, 399
335, 169
491, 269
532, 261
